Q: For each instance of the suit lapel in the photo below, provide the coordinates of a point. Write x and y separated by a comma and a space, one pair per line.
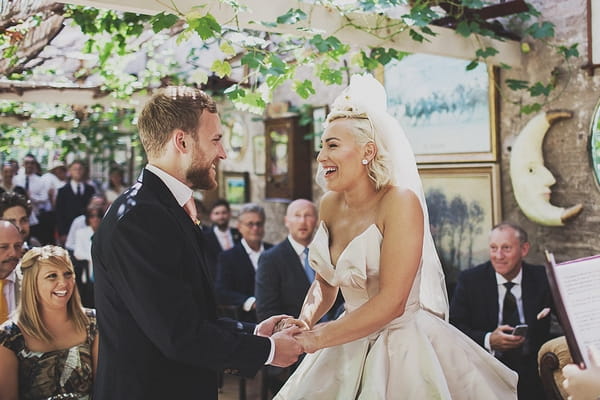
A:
490, 295
193, 234
528, 294
297, 267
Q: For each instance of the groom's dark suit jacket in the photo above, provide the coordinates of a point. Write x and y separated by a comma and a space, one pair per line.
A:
281, 283
474, 310
160, 337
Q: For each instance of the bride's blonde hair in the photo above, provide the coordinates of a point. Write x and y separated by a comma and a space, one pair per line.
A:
379, 169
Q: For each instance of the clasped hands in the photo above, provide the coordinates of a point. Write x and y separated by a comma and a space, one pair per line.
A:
292, 337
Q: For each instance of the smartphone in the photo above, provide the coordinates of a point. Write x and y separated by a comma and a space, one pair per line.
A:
520, 330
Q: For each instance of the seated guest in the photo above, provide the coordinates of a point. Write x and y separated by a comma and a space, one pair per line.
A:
236, 267
50, 347
492, 298
219, 236
16, 209
11, 250
83, 254
97, 200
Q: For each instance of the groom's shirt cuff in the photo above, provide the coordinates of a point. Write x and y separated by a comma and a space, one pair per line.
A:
271, 352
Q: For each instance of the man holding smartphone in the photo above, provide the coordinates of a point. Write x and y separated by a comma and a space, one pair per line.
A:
504, 306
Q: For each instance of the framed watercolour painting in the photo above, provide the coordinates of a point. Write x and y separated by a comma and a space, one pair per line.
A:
447, 112
463, 204
235, 187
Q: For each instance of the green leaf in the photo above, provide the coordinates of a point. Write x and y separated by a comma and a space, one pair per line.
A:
273, 81
472, 65
205, 26
384, 56
291, 17
330, 76
569, 52
463, 28
304, 88
253, 59
541, 31
221, 68
487, 52
538, 89
277, 65
421, 15
515, 84
163, 21
416, 36
227, 49
234, 92
530, 108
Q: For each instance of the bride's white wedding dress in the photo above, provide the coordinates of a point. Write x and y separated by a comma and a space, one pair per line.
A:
417, 356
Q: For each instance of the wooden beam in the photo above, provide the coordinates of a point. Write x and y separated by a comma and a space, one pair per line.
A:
326, 21
57, 95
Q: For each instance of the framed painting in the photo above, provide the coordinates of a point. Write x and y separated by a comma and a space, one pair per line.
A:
447, 112
235, 187
259, 157
463, 204
319, 114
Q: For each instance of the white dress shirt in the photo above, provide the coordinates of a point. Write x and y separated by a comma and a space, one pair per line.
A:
517, 291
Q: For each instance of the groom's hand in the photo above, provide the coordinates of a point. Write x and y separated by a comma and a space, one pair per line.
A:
287, 349
267, 327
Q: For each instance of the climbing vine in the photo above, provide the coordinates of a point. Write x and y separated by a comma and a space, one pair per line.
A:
263, 61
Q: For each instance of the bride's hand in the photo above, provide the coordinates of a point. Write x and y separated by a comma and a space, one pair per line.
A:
308, 341
288, 322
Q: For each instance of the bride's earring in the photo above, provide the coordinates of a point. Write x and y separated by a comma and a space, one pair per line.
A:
364, 161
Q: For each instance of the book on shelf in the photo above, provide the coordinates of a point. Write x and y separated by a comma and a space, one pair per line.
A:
575, 287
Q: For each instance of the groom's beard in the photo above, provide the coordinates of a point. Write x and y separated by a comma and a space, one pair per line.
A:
199, 174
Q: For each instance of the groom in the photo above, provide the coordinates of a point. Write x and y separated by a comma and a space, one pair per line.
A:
160, 335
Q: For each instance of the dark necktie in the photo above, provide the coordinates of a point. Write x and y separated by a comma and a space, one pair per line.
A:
510, 313
27, 182
310, 273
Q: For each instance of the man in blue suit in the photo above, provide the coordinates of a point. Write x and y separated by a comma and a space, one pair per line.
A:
492, 298
281, 279
236, 267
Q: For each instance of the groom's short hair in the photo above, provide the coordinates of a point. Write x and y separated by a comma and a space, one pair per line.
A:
175, 107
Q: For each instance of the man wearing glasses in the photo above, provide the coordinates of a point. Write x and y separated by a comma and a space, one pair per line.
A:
236, 267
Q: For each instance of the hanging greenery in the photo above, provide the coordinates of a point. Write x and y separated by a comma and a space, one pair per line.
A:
263, 61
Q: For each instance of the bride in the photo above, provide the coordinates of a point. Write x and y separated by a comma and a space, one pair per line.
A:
373, 242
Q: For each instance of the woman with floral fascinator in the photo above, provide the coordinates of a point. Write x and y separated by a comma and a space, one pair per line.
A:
49, 350
373, 242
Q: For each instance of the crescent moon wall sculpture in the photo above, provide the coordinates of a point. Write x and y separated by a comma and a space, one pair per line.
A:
531, 180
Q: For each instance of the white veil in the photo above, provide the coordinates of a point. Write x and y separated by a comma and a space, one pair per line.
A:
365, 96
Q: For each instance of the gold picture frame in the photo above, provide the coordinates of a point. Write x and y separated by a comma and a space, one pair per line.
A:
463, 204
235, 187
447, 112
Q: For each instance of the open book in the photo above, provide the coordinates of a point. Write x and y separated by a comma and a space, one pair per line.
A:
575, 287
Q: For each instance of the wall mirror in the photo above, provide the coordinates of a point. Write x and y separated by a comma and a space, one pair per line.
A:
595, 143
